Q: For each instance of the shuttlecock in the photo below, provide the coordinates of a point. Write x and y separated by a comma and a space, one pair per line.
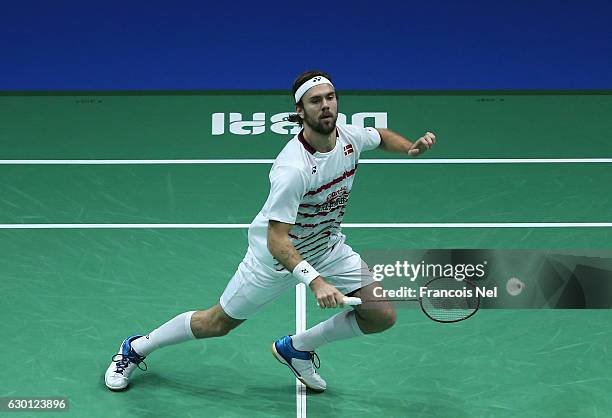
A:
514, 286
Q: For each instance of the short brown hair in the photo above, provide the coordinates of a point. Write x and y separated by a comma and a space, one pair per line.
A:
301, 79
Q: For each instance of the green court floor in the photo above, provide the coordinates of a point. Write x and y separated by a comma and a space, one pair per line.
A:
70, 296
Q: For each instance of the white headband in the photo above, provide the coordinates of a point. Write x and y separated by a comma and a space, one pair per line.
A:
315, 81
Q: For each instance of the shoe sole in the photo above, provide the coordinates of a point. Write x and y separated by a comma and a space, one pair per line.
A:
281, 360
115, 389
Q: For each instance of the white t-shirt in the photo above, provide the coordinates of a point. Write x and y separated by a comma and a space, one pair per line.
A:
310, 190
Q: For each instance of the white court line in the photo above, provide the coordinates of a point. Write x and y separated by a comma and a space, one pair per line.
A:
300, 326
347, 225
364, 161
132, 162
482, 225
488, 161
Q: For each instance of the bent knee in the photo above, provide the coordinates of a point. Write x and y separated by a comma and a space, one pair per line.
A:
210, 323
220, 327
381, 321
222, 330
211, 329
387, 319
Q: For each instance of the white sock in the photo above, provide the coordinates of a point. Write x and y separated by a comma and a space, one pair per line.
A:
339, 327
176, 330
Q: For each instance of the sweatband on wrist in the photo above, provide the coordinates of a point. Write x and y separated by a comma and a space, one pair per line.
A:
305, 273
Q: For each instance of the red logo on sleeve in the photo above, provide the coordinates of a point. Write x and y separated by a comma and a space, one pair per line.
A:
348, 149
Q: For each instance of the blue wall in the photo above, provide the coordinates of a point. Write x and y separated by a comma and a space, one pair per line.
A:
76, 45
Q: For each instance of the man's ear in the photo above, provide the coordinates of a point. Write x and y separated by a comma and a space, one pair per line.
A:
299, 110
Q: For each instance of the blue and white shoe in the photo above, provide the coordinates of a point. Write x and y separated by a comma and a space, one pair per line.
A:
301, 363
117, 376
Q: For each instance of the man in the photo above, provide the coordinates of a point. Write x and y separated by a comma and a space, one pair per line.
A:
295, 238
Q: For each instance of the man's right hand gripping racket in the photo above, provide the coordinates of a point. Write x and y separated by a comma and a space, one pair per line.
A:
436, 301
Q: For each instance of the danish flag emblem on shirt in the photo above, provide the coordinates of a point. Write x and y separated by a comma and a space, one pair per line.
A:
348, 149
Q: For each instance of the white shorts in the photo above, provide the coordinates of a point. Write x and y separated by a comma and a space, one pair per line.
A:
255, 284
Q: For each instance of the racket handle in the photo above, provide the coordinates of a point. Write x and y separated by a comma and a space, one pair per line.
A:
351, 301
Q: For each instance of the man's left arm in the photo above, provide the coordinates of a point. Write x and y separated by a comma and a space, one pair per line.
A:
394, 142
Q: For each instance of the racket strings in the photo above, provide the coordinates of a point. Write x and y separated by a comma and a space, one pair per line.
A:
450, 300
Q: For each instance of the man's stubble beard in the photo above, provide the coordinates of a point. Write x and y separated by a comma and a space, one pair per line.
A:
317, 124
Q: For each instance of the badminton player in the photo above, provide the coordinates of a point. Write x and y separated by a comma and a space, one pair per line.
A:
296, 237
